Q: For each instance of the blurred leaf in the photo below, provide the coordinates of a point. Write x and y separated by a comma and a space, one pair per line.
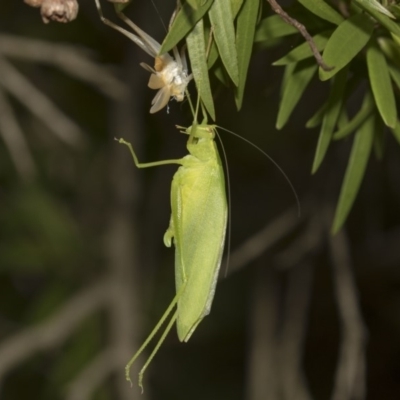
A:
382, 19
222, 76
360, 153
119, 7
198, 59
390, 48
317, 118
273, 27
79, 351
334, 105
375, 5
294, 88
395, 74
224, 34
185, 20
343, 119
47, 302
395, 9
345, 43
365, 110
39, 233
303, 51
396, 132
245, 29
322, 10
381, 85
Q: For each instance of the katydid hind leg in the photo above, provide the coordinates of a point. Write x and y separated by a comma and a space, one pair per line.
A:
156, 348
150, 337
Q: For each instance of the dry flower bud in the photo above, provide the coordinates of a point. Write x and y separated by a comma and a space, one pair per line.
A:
59, 10
34, 3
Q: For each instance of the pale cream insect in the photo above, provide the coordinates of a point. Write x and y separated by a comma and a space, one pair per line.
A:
169, 75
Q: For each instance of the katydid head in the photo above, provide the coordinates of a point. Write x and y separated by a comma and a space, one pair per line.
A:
201, 142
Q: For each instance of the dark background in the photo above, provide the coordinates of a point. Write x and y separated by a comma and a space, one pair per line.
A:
84, 274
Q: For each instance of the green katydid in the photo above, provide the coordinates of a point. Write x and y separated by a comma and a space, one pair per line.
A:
197, 227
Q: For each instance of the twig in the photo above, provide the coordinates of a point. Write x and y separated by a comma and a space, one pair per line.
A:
14, 139
54, 331
72, 60
303, 31
305, 243
262, 240
262, 374
91, 377
122, 242
291, 346
350, 373
40, 105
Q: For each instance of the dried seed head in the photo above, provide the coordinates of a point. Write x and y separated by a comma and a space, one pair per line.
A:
34, 3
59, 10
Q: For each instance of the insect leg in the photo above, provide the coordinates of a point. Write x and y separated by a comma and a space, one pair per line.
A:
158, 345
150, 337
150, 164
152, 46
128, 34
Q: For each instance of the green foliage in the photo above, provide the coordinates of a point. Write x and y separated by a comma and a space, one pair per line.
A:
367, 33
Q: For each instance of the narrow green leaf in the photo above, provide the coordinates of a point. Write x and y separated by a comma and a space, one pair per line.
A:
334, 105
373, 4
245, 28
382, 19
365, 111
273, 27
395, 74
221, 18
236, 5
213, 51
316, 119
286, 77
119, 7
195, 4
294, 88
343, 118
213, 55
198, 60
303, 51
322, 10
221, 75
381, 85
395, 9
185, 20
360, 153
345, 43
390, 48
